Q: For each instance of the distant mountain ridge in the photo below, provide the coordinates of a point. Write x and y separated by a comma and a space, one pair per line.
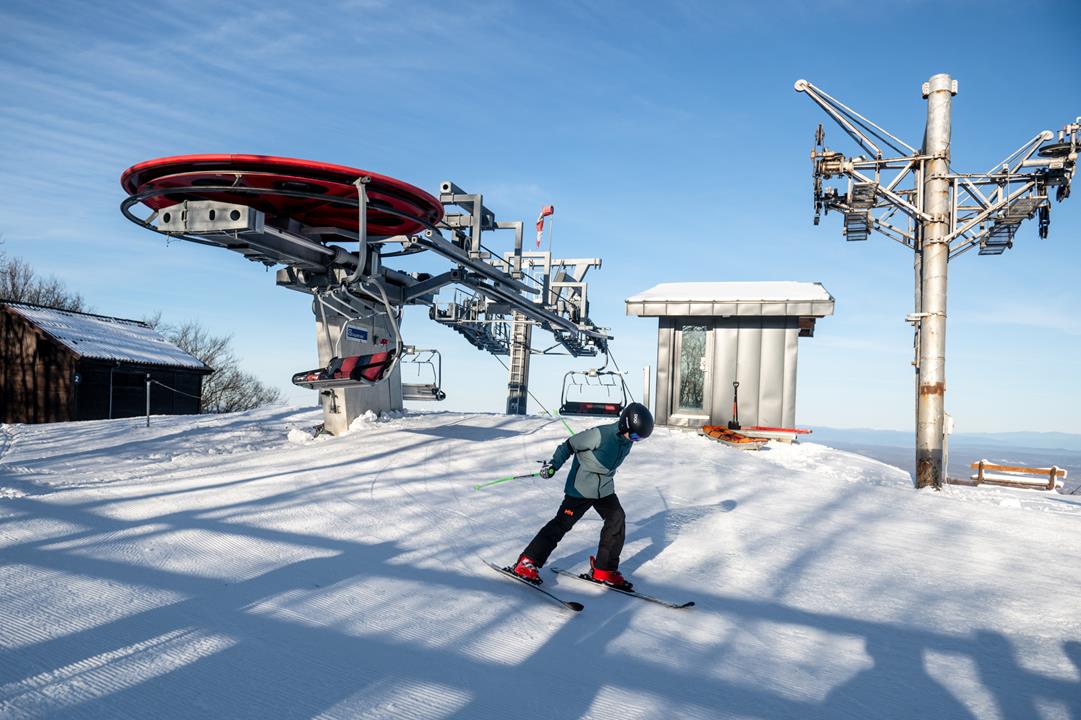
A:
901, 438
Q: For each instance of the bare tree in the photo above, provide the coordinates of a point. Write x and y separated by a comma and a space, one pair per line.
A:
20, 283
229, 389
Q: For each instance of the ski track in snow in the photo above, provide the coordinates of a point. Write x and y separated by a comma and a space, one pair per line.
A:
233, 566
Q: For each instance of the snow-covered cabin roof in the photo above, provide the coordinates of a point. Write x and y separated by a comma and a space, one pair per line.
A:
730, 299
107, 338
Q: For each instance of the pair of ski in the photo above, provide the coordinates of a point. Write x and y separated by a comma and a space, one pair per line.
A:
577, 606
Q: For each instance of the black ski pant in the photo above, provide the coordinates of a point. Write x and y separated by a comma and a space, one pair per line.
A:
613, 532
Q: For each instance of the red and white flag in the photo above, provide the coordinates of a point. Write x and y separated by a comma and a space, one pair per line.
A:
545, 212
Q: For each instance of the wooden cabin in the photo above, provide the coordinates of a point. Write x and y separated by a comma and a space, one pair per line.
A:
57, 366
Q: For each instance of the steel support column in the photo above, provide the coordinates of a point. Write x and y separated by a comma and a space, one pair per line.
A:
934, 251
947, 213
518, 382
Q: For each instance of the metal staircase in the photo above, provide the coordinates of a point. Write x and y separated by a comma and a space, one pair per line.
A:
518, 384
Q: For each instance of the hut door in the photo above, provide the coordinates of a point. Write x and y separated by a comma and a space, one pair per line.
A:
692, 372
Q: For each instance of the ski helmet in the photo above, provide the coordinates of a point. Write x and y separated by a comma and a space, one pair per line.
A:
636, 420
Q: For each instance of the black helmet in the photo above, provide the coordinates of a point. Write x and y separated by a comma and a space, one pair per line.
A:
636, 418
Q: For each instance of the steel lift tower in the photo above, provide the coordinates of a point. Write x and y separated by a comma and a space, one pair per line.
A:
914, 197
562, 288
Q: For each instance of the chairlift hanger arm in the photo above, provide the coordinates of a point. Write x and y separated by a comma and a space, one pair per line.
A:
434, 241
529, 309
848, 118
1023, 153
901, 146
433, 284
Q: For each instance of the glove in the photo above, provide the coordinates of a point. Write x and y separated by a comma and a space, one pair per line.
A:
547, 471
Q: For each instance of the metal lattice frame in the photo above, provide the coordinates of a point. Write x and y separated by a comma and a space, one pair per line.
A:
914, 198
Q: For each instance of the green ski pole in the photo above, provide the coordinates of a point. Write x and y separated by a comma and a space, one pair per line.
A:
506, 479
522, 477
544, 464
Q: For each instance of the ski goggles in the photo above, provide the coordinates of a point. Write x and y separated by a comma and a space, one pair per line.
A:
634, 437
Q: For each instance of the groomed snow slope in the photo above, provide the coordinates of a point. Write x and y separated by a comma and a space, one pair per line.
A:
231, 567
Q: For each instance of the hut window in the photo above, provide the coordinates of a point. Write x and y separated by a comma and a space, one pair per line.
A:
692, 371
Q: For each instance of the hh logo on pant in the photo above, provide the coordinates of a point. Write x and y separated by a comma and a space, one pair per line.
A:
568, 511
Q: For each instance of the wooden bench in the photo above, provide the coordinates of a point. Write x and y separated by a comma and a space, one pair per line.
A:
1014, 476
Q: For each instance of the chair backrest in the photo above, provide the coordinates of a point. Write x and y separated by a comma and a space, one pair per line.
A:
365, 367
377, 366
574, 407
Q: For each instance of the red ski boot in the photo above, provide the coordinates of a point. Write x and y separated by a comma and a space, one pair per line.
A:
526, 570
611, 578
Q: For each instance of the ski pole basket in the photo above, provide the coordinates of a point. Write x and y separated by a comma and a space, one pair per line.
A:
598, 393
345, 372
429, 375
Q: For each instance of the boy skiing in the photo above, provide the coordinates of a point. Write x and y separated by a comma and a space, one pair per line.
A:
597, 453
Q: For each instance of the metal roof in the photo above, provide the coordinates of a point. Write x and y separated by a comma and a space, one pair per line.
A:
732, 299
107, 338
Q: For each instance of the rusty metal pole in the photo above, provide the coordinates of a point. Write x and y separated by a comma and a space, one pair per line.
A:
934, 250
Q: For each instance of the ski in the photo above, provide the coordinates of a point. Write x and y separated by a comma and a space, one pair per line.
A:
569, 604
633, 593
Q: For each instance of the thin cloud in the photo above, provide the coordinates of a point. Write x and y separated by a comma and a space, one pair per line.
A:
1042, 316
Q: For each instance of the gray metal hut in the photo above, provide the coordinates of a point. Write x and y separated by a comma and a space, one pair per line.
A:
712, 334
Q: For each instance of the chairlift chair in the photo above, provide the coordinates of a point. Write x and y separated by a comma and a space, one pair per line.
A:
352, 371
593, 382
423, 390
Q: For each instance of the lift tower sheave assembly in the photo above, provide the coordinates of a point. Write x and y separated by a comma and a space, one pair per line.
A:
562, 289
914, 197
334, 229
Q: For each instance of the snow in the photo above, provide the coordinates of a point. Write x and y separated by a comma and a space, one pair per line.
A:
771, 291
732, 299
235, 566
107, 338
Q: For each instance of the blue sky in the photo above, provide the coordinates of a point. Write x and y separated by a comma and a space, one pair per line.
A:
667, 135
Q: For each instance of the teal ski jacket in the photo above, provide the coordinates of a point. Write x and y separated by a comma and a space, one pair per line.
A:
597, 453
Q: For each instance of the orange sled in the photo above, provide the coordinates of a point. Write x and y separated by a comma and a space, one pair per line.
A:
731, 437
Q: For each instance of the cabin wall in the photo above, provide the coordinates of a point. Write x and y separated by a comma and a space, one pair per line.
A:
759, 352
127, 384
42, 381
36, 374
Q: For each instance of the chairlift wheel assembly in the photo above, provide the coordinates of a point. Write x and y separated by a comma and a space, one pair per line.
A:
309, 192
322, 198
1056, 150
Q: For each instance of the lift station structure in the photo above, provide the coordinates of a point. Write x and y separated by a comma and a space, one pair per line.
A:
335, 231
914, 197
